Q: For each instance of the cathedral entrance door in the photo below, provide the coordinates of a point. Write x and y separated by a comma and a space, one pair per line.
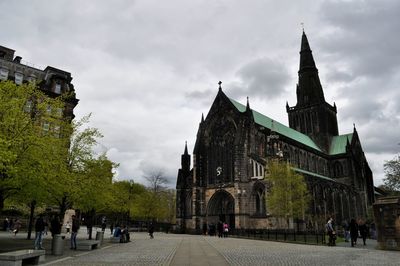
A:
221, 207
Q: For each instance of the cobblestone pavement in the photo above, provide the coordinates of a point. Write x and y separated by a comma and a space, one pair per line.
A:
171, 249
140, 251
256, 252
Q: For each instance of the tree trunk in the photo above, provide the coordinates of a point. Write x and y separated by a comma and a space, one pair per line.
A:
2, 199
89, 222
32, 206
63, 207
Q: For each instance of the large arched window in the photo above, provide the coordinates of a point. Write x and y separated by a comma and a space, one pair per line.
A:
259, 199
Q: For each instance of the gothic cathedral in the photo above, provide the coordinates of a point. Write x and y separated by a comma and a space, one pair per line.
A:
235, 142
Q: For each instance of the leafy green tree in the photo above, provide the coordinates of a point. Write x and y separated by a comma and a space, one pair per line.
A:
288, 196
124, 200
28, 122
392, 175
82, 179
95, 182
44, 158
168, 201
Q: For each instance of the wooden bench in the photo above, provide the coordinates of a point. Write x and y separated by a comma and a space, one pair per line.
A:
27, 256
87, 244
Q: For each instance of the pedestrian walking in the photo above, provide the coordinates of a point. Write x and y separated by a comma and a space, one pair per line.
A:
39, 231
212, 230
226, 229
103, 224
151, 230
363, 228
220, 228
331, 232
111, 228
125, 236
16, 226
346, 229
74, 233
6, 225
204, 229
353, 232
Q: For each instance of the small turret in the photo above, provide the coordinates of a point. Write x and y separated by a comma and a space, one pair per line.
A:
185, 160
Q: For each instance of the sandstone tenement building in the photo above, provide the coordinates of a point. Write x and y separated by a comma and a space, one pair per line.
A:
52, 81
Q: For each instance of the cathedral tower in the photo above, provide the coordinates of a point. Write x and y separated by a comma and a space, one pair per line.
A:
312, 115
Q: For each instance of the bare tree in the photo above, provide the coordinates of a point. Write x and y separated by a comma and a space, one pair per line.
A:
156, 181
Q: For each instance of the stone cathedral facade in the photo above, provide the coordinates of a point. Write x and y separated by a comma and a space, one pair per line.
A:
234, 144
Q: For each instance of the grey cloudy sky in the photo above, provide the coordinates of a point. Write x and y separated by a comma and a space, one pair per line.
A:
148, 69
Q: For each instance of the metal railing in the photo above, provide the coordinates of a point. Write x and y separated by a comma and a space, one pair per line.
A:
307, 237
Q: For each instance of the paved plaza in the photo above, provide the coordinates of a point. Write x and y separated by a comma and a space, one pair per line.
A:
173, 249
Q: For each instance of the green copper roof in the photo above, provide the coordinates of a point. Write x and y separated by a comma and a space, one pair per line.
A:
338, 144
312, 174
265, 121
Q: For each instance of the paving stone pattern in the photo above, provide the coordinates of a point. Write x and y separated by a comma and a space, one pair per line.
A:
141, 251
255, 252
171, 249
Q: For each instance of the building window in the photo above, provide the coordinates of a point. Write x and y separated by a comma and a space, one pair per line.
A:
3, 74
59, 112
260, 202
18, 78
31, 78
57, 89
57, 131
258, 170
45, 126
28, 106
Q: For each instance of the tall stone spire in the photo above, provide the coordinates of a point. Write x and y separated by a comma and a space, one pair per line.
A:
309, 89
306, 57
312, 115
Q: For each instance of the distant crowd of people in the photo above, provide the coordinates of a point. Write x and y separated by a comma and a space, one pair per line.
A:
121, 232
352, 231
221, 229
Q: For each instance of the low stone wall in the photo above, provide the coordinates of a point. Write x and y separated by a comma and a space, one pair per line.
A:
387, 220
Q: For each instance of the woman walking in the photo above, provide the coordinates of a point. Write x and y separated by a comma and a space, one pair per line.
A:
353, 232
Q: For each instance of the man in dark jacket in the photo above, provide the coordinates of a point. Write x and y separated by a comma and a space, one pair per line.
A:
151, 230
363, 228
39, 229
74, 231
353, 232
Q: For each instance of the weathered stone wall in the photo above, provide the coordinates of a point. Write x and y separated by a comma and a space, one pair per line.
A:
387, 220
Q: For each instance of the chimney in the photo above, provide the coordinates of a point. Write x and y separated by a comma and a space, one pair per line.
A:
17, 59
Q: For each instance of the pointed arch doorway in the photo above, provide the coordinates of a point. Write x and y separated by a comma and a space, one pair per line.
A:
221, 207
